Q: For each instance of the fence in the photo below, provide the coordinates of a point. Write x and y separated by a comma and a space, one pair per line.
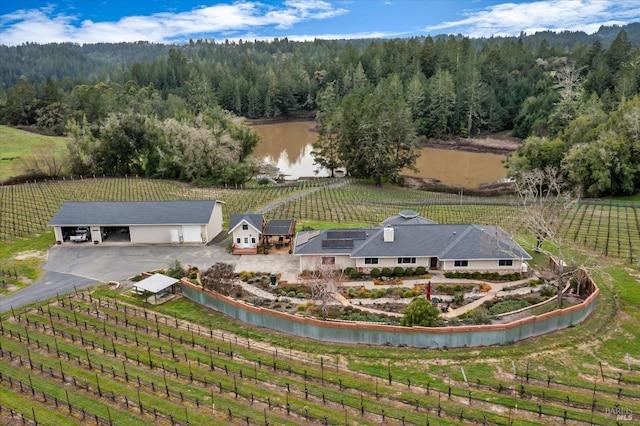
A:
379, 334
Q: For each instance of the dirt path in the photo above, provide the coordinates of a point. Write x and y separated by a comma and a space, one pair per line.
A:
283, 201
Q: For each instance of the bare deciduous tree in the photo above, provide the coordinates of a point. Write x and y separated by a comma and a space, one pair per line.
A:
546, 201
44, 159
323, 285
220, 278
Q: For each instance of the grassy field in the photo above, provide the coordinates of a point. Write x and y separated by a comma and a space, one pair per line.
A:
18, 143
104, 357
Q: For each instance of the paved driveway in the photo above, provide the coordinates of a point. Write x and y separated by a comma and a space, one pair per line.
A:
82, 265
78, 266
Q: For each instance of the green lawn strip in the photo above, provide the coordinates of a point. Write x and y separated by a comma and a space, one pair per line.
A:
27, 407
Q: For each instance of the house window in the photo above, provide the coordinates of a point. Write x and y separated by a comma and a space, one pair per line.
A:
245, 227
329, 260
505, 262
253, 240
370, 260
402, 260
461, 263
238, 240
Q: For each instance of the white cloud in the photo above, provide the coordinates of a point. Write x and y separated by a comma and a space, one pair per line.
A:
552, 15
45, 26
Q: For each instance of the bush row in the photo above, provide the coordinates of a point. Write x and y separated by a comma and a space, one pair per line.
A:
488, 276
398, 271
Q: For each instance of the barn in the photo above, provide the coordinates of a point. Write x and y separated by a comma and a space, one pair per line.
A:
139, 222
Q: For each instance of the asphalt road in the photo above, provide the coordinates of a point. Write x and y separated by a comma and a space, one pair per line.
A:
78, 266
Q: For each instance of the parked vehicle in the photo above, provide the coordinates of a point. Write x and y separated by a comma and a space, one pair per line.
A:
80, 235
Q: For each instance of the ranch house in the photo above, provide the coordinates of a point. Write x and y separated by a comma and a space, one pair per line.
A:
408, 240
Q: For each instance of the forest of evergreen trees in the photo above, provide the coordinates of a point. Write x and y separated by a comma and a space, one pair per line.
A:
572, 97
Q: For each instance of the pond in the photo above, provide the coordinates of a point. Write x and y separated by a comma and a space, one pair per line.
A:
288, 146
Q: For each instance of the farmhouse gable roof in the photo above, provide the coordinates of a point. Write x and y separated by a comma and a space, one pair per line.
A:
255, 220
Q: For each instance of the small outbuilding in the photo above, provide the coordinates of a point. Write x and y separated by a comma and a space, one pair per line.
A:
158, 285
247, 230
139, 222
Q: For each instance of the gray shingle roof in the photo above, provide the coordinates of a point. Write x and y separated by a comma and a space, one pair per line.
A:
123, 213
447, 242
407, 217
253, 219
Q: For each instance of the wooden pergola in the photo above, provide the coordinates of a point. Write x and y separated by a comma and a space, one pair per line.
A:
282, 231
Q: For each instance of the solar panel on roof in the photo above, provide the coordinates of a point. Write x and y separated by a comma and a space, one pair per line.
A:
337, 243
346, 235
303, 238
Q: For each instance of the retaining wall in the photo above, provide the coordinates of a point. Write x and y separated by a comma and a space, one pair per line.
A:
379, 334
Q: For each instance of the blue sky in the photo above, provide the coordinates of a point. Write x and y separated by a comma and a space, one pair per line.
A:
176, 21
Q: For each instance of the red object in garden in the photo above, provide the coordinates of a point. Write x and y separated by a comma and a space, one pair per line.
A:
429, 290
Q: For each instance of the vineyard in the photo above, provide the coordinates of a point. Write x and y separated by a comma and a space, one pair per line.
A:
100, 357
97, 358
607, 228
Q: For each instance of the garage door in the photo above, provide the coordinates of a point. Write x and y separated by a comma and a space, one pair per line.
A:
192, 234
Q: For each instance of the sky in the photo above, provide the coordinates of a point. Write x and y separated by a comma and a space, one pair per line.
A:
177, 21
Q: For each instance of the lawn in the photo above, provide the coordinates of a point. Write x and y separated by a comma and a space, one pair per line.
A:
17, 144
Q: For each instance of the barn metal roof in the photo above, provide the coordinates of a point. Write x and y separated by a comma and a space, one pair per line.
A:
125, 213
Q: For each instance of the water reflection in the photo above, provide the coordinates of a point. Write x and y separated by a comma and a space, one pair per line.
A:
289, 146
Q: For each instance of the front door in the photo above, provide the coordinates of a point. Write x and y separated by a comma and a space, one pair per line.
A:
246, 242
434, 263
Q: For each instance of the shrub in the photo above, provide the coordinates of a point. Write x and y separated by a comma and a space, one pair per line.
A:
291, 294
408, 272
508, 306
547, 291
386, 272
420, 270
375, 273
398, 271
458, 299
479, 317
176, 270
354, 274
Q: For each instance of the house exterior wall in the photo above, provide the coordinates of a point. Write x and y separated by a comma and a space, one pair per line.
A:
158, 234
242, 234
390, 262
490, 265
214, 227
57, 231
311, 263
